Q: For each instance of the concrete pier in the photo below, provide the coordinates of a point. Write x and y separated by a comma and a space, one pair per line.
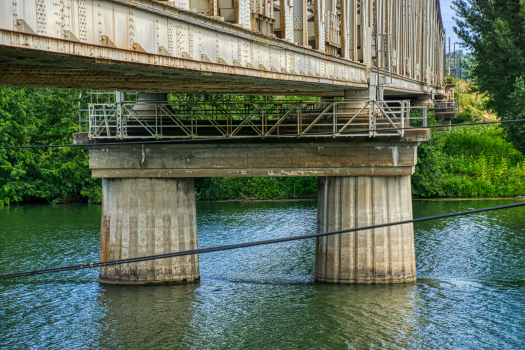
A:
149, 202
383, 255
147, 216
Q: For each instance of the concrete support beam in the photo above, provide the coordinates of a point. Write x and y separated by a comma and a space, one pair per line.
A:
383, 255
446, 125
424, 101
268, 159
357, 94
144, 216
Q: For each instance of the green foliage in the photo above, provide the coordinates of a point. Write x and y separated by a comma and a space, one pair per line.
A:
472, 103
256, 188
494, 32
469, 162
35, 117
460, 62
464, 117
516, 110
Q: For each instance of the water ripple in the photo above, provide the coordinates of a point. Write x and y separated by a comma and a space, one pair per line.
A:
470, 293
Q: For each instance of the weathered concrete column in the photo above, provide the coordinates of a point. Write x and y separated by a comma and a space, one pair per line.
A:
148, 216
383, 255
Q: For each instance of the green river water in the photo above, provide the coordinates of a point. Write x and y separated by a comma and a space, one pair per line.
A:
470, 293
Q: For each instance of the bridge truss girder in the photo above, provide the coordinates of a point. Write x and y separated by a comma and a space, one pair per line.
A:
120, 120
298, 47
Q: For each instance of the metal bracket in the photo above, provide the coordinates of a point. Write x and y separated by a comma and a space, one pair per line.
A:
21, 26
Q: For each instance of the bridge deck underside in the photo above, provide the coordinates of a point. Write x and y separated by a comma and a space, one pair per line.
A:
33, 61
32, 68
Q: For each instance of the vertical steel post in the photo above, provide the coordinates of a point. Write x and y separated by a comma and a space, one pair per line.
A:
449, 56
371, 116
403, 117
119, 98
334, 118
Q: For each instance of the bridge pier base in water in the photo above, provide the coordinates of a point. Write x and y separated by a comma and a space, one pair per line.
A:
148, 216
149, 201
384, 255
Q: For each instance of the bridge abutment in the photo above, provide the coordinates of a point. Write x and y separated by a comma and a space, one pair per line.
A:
384, 255
148, 216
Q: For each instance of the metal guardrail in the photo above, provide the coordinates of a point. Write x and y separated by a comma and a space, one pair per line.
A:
445, 105
201, 120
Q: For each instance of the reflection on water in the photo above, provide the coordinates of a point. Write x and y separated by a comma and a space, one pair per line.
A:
470, 292
151, 317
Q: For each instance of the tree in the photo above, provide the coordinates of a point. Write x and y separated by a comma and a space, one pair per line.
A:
494, 30
42, 117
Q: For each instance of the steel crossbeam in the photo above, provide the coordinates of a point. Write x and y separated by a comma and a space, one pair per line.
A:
330, 106
353, 118
142, 122
286, 115
247, 121
175, 119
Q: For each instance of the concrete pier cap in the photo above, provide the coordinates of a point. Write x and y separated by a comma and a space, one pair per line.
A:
149, 201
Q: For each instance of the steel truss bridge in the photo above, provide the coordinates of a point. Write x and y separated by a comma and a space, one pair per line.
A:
387, 53
285, 47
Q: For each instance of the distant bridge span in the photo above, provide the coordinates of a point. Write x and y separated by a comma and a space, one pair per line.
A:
286, 47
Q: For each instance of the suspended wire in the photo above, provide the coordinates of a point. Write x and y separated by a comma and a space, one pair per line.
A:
252, 244
260, 137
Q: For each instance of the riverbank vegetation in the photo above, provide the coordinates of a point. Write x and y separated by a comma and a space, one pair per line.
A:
42, 117
471, 161
492, 31
468, 162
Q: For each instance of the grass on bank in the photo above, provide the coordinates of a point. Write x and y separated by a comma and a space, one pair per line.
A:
472, 104
471, 161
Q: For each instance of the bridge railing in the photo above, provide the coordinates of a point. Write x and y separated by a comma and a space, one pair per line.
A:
298, 119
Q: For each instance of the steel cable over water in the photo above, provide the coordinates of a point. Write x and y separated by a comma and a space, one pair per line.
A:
252, 244
260, 137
